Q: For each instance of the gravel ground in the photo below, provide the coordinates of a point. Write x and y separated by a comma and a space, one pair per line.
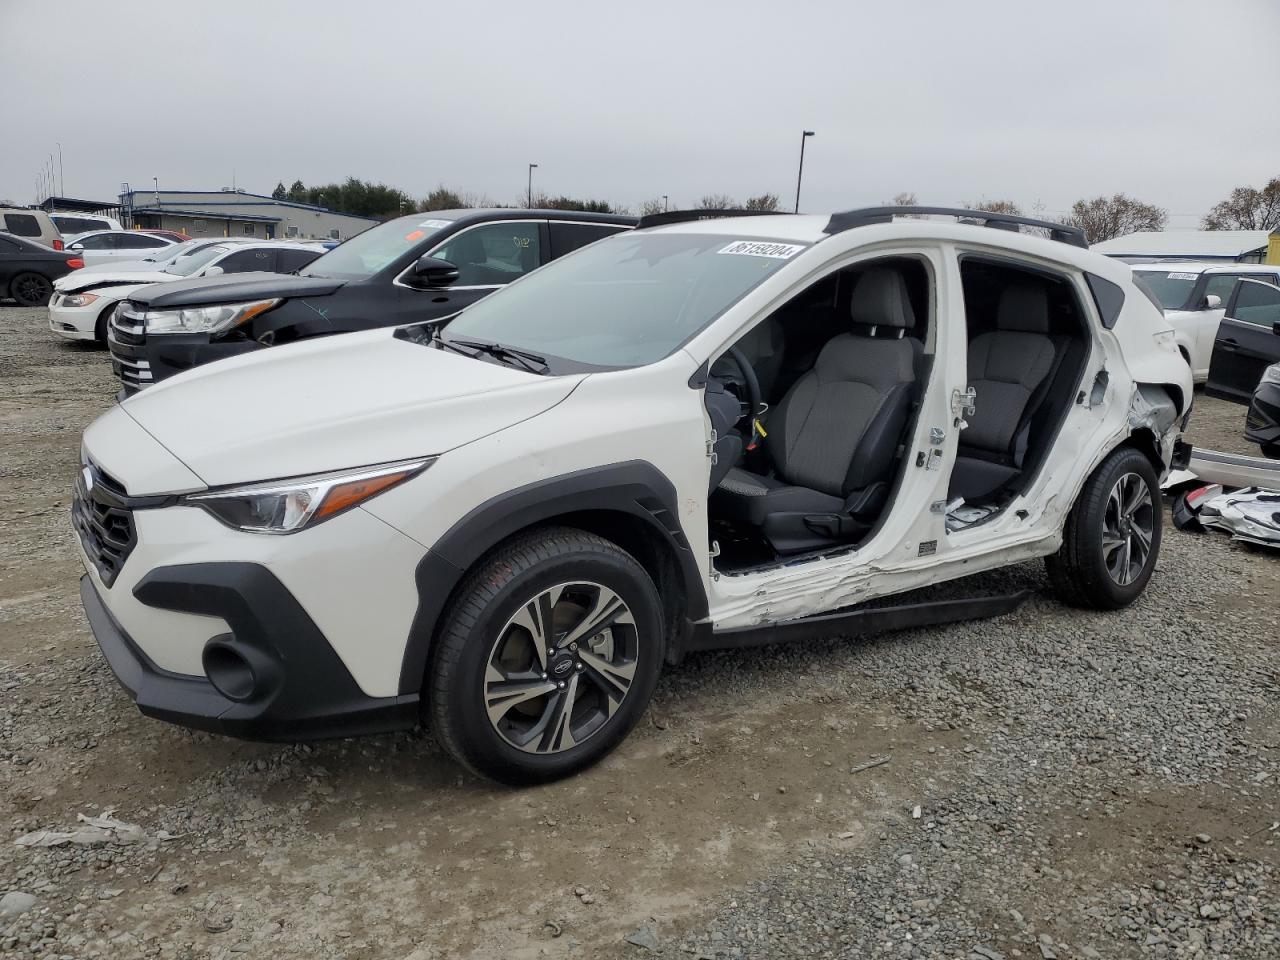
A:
1051, 783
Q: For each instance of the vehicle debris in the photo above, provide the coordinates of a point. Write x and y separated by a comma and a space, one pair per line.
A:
1250, 514
103, 828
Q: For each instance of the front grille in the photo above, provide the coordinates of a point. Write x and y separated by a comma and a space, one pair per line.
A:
102, 521
134, 374
126, 326
126, 332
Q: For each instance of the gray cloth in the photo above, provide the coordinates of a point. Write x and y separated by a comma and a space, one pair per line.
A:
880, 299
1025, 307
815, 431
1005, 368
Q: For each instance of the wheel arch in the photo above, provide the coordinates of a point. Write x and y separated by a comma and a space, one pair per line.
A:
632, 504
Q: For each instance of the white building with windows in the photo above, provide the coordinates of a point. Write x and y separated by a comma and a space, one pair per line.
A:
234, 213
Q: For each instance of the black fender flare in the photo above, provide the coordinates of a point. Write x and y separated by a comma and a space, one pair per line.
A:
635, 487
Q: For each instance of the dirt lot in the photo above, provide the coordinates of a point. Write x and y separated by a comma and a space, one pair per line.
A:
1054, 784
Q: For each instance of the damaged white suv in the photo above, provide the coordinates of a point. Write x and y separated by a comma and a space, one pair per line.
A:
706, 433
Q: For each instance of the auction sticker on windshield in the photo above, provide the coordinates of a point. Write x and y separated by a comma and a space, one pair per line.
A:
763, 248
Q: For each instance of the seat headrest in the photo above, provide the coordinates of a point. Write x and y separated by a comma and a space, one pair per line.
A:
1024, 307
880, 299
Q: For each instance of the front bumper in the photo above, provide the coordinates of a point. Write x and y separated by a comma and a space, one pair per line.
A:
74, 323
297, 687
139, 360
1262, 425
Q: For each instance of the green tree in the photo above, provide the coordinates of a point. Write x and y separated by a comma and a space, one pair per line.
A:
280, 193
298, 192
442, 198
1247, 209
1103, 218
542, 201
766, 201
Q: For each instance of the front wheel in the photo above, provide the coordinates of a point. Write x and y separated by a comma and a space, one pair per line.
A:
1112, 536
31, 289
547, 657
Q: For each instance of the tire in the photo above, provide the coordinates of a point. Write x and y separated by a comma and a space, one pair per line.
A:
100, 327
1270, 450
1118, 510
31, 289
574, 581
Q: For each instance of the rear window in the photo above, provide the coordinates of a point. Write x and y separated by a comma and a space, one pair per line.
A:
1170, 288
22, 224
68, 225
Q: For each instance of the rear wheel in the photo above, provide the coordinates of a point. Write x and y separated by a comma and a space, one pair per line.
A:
1112, 536
31, 289
547, 657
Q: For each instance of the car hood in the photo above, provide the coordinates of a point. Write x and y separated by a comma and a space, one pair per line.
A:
335, 402
77, 280
230, 288
122, 266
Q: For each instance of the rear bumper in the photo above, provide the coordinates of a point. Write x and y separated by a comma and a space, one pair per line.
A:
297, 688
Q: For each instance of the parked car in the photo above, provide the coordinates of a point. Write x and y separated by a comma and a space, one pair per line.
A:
177, 236
102, 246
1248, 341
1262, 425
161, 257
28, 270
512, 522
421, 267
81, 307
31, 225
69, 223
1193, 296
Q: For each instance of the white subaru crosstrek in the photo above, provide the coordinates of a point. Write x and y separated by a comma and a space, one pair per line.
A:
707, 433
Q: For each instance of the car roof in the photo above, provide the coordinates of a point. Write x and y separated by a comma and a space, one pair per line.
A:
99, 233
481, 214
1245, 268
1166, 266
811, 229
278, 245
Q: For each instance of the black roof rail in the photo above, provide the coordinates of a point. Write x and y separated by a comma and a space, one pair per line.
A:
685, 216
849, 219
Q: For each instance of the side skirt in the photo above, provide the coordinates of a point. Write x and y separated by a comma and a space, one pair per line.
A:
860, 622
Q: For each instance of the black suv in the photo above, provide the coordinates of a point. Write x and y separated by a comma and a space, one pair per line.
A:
421, 267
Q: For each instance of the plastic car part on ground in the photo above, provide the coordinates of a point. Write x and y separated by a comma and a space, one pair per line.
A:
1250, 514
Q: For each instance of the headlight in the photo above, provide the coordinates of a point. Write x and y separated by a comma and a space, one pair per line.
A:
78, 299
292, 505
1271, 374
212, 320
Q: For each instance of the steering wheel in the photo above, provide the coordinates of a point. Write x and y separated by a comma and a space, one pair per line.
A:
749, 380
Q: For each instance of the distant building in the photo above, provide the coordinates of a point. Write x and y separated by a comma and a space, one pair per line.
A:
234, 213
1229, 246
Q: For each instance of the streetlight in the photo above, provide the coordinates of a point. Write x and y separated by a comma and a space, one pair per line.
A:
529, 200
803, 137
62, 188
664, 203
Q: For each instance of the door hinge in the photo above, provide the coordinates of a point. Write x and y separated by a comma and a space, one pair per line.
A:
964, 403
711, 446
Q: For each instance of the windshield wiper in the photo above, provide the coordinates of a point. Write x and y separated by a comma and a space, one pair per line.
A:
529, 361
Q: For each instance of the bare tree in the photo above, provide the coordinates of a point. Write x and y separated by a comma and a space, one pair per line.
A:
650, 207
1247, 209
996, 206
1103, 218
717, 201
905, 200
766, 201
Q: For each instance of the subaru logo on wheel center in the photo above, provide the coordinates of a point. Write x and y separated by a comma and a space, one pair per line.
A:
562, 666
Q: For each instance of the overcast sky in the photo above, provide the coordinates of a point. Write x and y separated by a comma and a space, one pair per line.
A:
1172, 101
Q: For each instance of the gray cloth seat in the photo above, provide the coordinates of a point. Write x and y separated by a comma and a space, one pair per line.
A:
834, 437
1010, 371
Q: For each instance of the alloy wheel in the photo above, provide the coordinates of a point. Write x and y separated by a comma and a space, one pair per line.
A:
1127, 529
32, 289
561, 667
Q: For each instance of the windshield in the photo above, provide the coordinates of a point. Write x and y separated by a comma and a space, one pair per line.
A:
366, 253
625, 301
189, 265
1171, 288
169, 254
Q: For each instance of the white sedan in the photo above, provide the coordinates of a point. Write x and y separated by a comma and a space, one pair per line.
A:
82, 305
103, 246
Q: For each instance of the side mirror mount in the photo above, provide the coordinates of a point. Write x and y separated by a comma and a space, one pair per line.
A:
213, 272
1212, 301
433, 272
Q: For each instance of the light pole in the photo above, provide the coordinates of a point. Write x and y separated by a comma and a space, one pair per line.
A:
529, 198
664, 203
803, 137
62, 188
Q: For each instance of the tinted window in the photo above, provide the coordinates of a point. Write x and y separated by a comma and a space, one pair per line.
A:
493, 253
137, 241
655, 289
287, 261
186, 266
243, 261
1220, 285
571, 236
101, 241
78, 224
1257, 303
367, 253
1171, 288
22, 224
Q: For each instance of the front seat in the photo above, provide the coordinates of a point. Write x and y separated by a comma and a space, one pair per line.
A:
834, 437
1010, 370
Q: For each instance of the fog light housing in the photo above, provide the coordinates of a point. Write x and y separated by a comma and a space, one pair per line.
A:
238, 671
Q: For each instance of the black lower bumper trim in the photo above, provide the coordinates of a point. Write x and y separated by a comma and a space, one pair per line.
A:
313, 700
